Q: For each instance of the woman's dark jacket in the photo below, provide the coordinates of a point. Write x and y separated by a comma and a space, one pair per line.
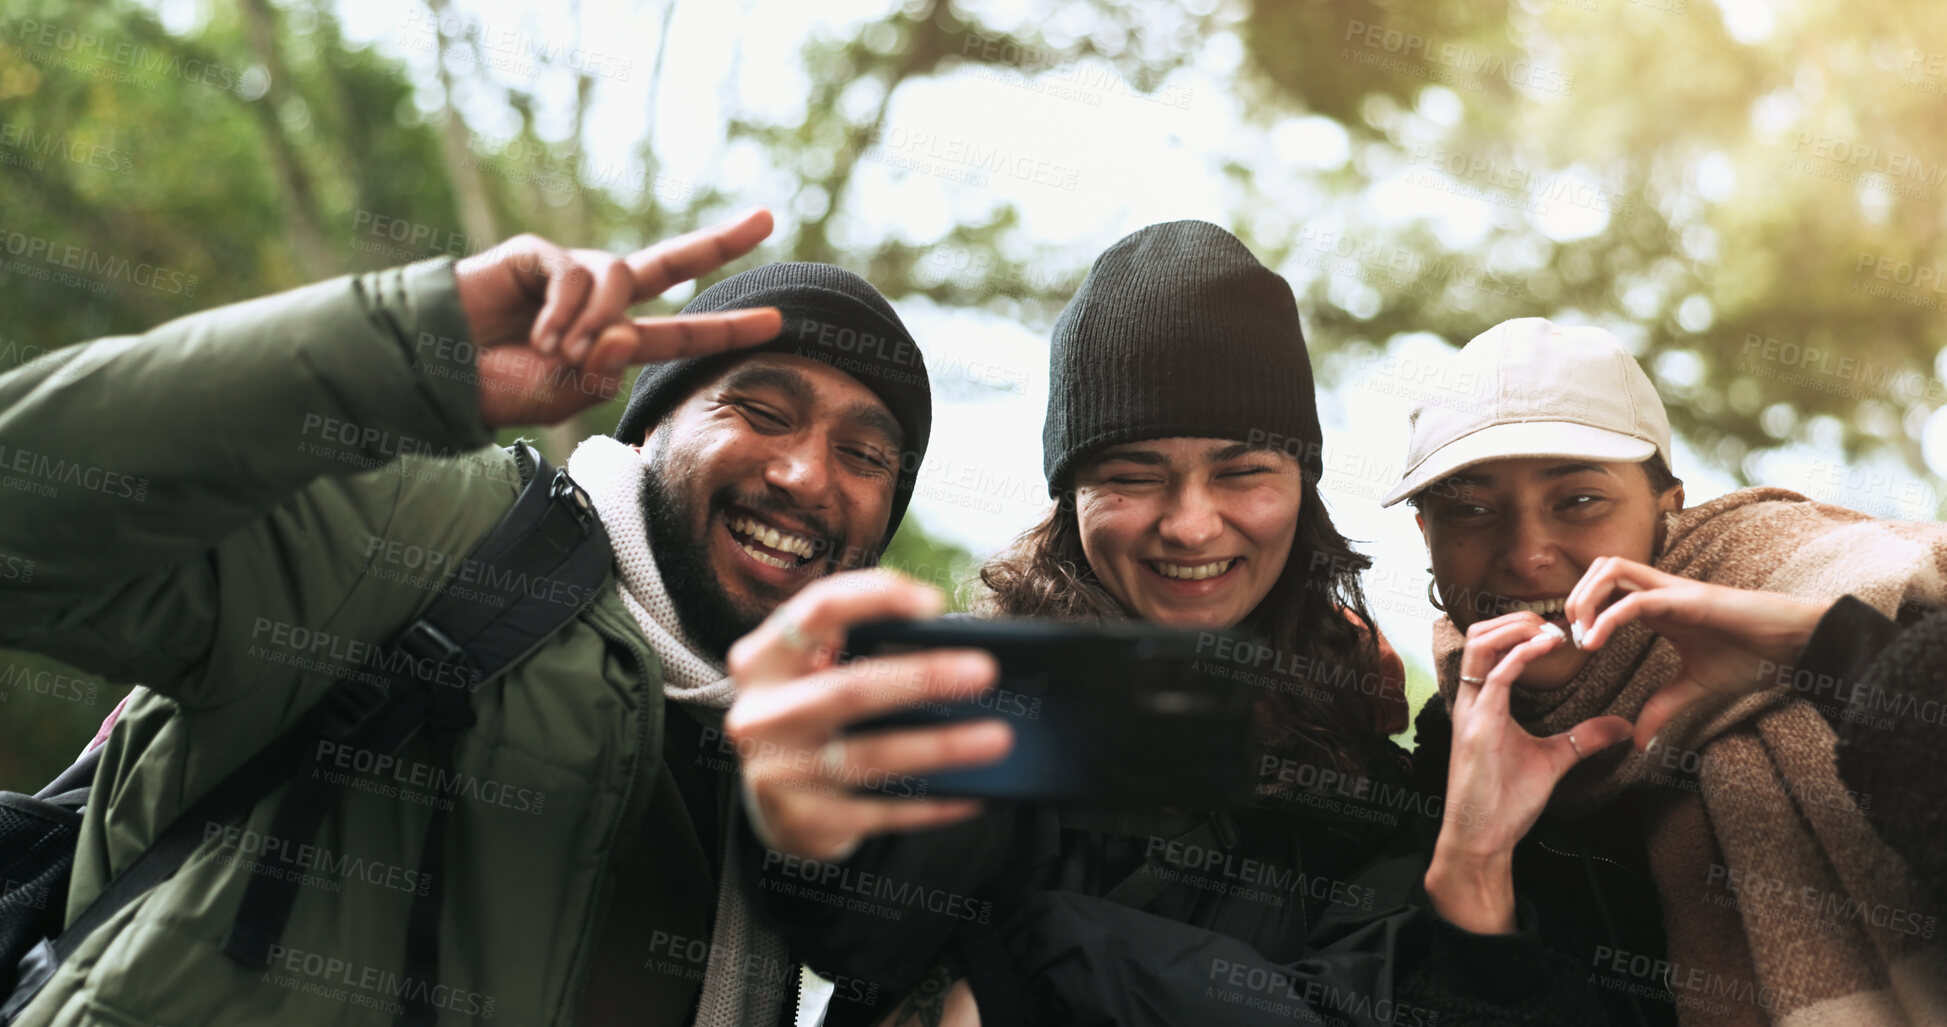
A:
1309, 902
1317, 904
1589, 907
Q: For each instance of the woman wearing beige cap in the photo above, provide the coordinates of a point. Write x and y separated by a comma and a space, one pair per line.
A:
1721, 870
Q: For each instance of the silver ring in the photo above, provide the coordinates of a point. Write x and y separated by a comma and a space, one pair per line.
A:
1573, 745
831, 758
793, 635
1467, 679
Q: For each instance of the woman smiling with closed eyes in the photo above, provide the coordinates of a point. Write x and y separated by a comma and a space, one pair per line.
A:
1189, 531
1178, 358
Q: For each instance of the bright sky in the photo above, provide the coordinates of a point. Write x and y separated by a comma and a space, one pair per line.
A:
1119, 161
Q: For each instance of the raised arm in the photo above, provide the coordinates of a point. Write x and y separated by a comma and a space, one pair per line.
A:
129, 460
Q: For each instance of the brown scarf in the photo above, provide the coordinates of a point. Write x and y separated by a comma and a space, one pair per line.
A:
1781, 904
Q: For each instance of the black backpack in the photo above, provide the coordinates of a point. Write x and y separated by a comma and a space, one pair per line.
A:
551, 534
37, 837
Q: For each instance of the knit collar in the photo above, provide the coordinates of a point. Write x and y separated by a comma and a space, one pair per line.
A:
612, 475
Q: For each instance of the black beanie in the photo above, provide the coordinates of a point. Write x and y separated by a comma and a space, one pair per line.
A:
830, 315
1178, 331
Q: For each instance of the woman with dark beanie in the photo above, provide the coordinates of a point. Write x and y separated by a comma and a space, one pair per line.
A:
1183, 448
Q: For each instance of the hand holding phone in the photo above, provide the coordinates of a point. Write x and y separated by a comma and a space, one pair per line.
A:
1119, 713
795, 697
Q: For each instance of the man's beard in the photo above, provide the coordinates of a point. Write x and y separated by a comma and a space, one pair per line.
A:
710, 617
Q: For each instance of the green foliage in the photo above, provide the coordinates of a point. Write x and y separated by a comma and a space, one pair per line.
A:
48, 711
1772, 241
936, 561
1757, 191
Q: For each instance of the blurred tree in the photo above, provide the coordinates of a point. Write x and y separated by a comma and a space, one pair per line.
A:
1757, 211
1750, 195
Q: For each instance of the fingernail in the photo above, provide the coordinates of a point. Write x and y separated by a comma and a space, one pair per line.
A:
1551, 628
550, 342
1577, 633
978, 664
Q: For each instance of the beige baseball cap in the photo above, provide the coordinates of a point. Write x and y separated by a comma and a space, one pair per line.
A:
1532, 388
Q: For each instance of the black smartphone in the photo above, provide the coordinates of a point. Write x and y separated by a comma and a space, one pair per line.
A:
1121, 713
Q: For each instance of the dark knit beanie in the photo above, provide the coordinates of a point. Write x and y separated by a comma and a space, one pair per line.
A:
1178, 331
830, 315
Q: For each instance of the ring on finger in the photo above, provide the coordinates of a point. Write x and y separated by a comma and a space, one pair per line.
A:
1469, 679
831, 758
793, 634
1574, 745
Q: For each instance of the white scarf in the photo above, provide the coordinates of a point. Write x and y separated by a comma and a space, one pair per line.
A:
612, 473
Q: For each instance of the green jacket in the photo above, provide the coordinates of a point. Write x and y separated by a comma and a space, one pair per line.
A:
228, 510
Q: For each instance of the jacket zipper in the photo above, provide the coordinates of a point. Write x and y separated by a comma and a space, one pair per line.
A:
578, 979
1588, 855
1608, 923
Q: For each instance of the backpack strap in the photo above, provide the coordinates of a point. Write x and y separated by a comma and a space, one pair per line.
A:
543, 564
